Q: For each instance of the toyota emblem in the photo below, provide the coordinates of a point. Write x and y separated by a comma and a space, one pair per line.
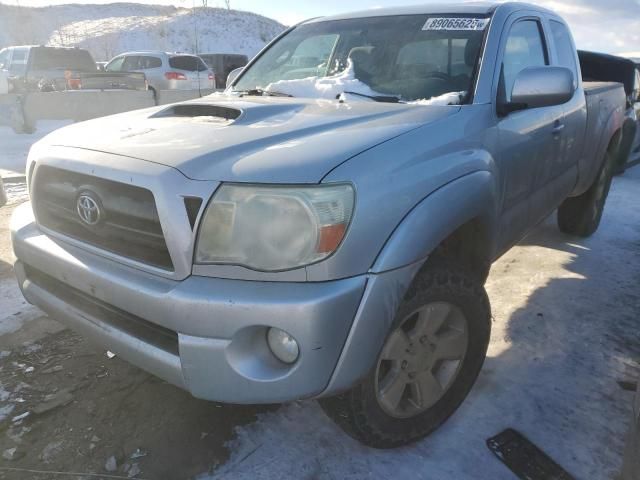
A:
88, 209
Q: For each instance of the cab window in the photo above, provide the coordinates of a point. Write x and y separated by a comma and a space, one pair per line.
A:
525, 48
130, 63
564, 48
145, 62
18, 61
115, 65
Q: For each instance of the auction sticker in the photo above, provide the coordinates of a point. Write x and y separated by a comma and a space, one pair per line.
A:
455, 23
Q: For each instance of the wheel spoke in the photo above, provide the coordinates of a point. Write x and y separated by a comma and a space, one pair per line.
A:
391, 390
431, 318
426, 389
396, 346
451, 345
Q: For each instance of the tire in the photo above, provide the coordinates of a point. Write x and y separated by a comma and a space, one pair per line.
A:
581, 215
364, 413
155, 95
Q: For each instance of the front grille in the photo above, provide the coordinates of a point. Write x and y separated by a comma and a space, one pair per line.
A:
148, 332
126, 219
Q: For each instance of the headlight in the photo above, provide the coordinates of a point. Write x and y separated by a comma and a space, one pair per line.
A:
274, 228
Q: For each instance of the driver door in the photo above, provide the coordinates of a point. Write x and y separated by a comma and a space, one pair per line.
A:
528, 139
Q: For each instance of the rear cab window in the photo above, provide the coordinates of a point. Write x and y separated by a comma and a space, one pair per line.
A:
43, 58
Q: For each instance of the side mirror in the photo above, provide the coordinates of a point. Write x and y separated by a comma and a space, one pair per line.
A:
233, 74
537, 87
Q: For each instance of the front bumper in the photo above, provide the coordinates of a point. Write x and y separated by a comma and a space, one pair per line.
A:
206, 335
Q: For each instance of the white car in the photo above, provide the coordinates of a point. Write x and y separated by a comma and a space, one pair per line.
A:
166, 71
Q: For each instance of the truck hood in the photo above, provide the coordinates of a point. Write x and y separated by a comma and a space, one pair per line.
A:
250, 139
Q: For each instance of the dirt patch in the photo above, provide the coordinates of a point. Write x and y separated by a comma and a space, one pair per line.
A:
68, 407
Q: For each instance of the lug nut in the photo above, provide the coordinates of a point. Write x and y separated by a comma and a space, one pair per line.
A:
423, 339
412, 375
404, 364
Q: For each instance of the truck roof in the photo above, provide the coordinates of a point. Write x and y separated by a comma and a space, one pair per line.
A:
473, 8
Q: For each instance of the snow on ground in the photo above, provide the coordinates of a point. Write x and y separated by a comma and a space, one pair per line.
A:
109, 29
565, 330
13, 155
14, 148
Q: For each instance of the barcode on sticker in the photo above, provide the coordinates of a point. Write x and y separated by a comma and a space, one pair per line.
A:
456, 23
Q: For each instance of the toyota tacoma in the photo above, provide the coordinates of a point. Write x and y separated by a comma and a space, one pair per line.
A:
324, 228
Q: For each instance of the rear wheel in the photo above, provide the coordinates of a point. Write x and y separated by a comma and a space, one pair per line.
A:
155, 95
427, 366
581, 215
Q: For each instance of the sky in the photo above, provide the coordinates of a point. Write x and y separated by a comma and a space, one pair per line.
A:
601, 25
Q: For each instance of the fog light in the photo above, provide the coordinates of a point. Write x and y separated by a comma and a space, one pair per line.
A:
283, 345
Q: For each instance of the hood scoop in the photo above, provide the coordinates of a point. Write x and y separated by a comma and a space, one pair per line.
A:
203, 111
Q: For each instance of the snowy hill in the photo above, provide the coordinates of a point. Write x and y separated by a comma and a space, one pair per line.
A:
107, 30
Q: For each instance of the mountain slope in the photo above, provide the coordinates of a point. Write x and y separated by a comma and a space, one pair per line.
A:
106, 30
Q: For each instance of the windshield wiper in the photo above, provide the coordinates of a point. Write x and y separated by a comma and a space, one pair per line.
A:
377, 98
259, 92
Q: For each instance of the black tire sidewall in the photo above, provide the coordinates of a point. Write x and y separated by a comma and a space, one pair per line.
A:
581, 215
465, 295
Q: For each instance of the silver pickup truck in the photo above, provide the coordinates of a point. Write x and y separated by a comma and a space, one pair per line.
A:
325, 227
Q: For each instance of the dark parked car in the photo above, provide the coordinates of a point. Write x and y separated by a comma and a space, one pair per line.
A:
223, 64
48, 69
611, 68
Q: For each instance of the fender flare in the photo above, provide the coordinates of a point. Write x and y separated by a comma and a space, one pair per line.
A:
613, 125
436, 217
402, 257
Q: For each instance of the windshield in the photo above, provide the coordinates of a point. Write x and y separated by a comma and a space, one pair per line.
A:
412, 57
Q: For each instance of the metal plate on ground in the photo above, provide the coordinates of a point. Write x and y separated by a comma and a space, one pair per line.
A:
524, 458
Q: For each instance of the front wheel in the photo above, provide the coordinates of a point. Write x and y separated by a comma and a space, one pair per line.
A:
427, 366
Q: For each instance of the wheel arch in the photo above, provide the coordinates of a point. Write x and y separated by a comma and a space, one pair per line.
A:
609, 141
457, 221
628, 133
460, 207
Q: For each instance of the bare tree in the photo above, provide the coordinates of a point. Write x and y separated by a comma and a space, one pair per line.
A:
227, 3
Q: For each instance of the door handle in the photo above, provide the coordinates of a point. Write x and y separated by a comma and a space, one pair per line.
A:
557, 130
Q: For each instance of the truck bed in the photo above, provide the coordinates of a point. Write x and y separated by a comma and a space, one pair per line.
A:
593, 88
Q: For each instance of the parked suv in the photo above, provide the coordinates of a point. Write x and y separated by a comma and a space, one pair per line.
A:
166, 71
223, 64
46, 69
